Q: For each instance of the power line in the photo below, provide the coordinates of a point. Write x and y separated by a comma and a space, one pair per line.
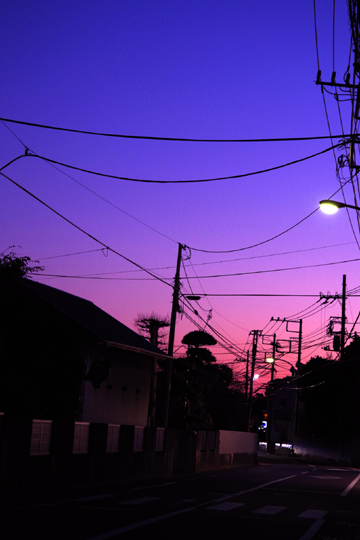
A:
269, 239
188, 181
196, 264
276, 269
98, 277
71, 254
215, 276
176, 139
110, 203
259, 243
271, 254
90, 190
266, 295
82, 230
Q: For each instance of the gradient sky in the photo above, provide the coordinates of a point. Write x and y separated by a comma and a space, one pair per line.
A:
204, 69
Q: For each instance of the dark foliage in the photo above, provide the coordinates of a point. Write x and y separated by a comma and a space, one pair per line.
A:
203, 395
12, 266
330, 396
197, 338
150, 325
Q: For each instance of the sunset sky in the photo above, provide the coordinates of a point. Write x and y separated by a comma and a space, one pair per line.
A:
191, 70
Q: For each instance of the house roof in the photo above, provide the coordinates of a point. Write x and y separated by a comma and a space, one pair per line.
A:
92, 318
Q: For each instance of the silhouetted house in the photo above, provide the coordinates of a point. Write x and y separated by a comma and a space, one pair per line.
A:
62, 357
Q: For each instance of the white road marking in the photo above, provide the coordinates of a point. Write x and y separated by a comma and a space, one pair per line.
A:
313, 514
161, 517
269, 510
315, 527
343, 470
327, 477
225, 506
303, 491
350, 486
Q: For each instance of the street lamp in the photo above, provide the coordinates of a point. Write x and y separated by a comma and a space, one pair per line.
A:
331, 207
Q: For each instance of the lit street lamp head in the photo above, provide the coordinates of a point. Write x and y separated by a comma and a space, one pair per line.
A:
270, 360
331, 207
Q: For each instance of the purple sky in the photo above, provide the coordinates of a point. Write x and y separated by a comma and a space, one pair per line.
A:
204, 69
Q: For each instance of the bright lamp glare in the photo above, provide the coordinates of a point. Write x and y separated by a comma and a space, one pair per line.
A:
328, 208
256, 376
270, 360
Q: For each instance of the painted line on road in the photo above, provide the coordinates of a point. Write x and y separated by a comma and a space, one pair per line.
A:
269, 510
350, 486
313, 514
305, 491
342, 470
133, 526
327, 477
315, 527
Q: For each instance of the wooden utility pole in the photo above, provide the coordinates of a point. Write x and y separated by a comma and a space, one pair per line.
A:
174, 311
255, 334
343, 319
247, 375
298, 363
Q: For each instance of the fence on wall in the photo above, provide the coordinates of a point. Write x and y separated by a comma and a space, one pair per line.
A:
47, 453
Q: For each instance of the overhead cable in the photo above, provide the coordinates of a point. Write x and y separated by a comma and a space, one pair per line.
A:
82, 230
188, 181
175, 139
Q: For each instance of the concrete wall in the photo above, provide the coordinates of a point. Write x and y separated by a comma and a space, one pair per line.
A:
154, 454
233, 442
237, 448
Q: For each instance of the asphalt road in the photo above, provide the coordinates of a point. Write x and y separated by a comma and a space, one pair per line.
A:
271, 501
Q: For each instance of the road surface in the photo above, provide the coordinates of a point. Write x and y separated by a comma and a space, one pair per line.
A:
272, 501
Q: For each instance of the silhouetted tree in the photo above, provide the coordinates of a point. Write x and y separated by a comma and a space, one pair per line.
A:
330, 394
150, 325
202, 394
197, 338
12, 266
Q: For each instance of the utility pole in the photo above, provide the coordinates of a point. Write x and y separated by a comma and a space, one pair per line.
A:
273, 364
255, 334
270, 445
247, 375
298, 363
343, 319
174, 311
